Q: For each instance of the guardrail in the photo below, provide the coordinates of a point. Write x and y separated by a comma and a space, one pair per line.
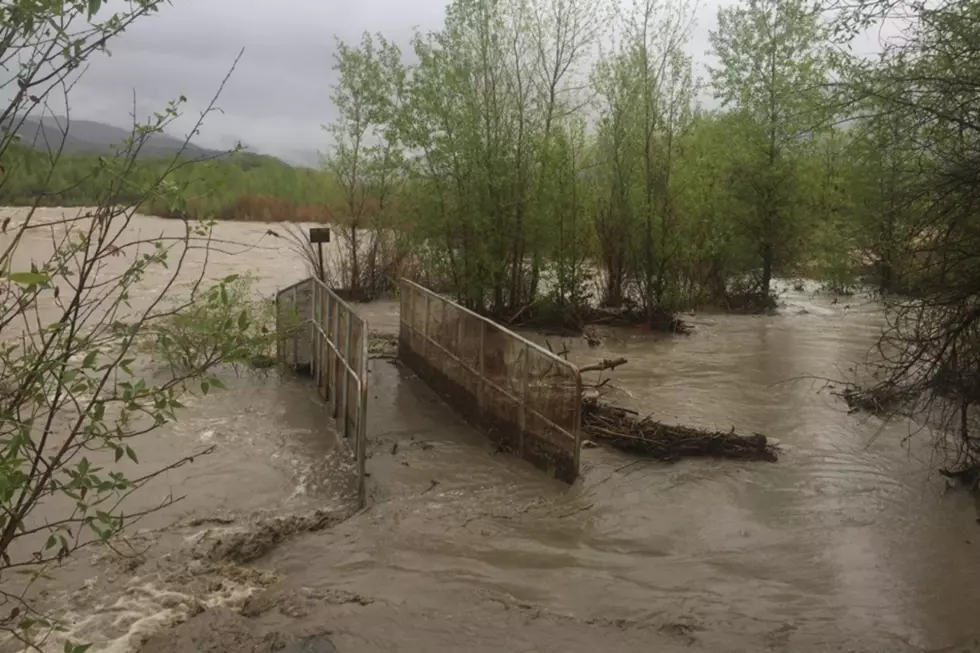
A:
320, 333
525, 398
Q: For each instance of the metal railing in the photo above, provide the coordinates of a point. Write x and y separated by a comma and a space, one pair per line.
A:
525, 398
334, 351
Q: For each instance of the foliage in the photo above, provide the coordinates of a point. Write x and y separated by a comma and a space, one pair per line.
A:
228, 322
530, 160
773, 67
366, 160
921, 140
237, 186
77, 296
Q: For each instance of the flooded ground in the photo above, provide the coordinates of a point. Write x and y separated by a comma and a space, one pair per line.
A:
847, 543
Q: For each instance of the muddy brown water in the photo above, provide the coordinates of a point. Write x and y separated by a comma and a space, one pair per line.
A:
847, 543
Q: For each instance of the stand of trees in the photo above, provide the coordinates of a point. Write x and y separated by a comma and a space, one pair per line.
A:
552, 153
235, 186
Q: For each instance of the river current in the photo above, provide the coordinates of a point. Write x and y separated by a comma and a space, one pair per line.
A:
849, 542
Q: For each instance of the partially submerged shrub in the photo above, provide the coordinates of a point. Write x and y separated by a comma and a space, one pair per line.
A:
231, 323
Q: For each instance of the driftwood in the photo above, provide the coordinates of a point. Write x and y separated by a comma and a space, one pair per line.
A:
873, 400
382, 345
604, 364
966, 476
623, 429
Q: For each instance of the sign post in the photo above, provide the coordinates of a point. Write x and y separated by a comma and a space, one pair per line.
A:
320, 235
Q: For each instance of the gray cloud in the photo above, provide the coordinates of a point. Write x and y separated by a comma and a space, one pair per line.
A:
279, 95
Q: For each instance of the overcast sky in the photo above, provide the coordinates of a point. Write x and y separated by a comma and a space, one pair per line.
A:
279, 96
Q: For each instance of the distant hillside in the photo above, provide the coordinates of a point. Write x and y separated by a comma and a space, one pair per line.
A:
87, 137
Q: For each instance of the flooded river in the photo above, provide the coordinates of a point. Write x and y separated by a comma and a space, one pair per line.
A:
848, 543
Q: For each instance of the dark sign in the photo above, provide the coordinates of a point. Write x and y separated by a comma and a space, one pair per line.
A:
320, 235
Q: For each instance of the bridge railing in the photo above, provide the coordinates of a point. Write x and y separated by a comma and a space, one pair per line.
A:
525, 398
321, 334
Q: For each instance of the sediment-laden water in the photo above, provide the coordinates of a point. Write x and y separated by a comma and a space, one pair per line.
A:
847, 543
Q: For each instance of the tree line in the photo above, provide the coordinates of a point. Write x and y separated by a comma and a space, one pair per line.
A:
235, 186
538, 152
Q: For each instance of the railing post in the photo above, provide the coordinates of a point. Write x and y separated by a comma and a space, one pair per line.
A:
324, 343
412, 328
361, 443
577, 424
279, 329
525, 379
295, 331
425, 328
314, 337
481, 385
344, 394
459, 333
334, 363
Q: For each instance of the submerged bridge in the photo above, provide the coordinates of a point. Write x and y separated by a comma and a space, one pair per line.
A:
524, 398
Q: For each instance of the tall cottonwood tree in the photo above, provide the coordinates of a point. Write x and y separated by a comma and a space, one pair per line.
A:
646, 92
773, 68
366, 155
564, 36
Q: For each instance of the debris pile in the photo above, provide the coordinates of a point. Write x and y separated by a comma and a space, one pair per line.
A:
382, 345
874, 400
624, 429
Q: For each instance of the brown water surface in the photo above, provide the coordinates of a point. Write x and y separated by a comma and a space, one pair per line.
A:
847, 543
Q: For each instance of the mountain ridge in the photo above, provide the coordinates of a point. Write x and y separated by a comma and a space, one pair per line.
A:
91, 137
94, 138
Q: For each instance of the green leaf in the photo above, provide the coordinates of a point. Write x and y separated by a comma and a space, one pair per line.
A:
205, 386
90, 358
132, 455
243, 321
93, 7
27, 278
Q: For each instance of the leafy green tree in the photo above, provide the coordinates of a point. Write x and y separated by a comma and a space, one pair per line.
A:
773, 67
75, 397
366, 153
922, 144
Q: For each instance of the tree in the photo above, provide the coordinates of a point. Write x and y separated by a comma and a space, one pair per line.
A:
75, 396
647, 94
565, 34
921, 97
366, 155
773, 67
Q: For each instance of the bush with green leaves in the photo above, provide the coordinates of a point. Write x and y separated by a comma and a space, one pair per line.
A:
231, 313
79, 293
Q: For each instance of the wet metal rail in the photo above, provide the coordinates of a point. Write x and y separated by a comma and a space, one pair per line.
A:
320, 334
525, 398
